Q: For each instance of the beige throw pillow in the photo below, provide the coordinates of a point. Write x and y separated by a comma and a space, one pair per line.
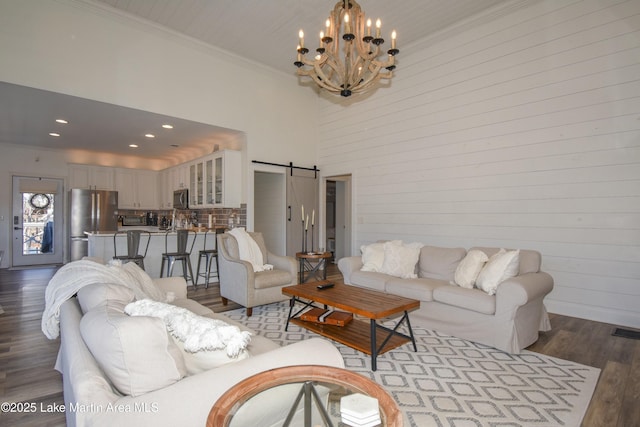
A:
205, 360
500, 267
372, 256
136, 353
469, 268
401, 260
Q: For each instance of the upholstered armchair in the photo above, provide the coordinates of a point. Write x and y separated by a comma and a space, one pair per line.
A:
238, 281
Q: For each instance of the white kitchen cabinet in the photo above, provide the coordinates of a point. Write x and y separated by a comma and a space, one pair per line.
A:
137, 189
88, 176
215, 180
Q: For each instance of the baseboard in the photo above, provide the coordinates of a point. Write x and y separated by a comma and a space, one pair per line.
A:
597, 314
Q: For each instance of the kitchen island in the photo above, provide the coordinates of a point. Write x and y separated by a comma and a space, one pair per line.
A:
101, 247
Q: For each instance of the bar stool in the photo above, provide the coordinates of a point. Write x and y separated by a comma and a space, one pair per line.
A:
133, 247
181, 254
209, 254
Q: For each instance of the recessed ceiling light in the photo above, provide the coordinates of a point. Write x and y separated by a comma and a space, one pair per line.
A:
150, 135
175, 145
133, 145
54, 134
167, 126
63, 121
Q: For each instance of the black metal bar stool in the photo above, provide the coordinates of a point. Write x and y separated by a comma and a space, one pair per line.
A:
182, 254
133, 247
209, 255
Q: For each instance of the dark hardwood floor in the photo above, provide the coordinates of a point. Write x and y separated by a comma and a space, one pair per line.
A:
27, 357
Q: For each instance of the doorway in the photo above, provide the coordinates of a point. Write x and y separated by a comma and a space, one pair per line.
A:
269, 209
37, 221
338, 216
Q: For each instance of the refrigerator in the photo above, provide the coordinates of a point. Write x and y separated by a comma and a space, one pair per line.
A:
90, 210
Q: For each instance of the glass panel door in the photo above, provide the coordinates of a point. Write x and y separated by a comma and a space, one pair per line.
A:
210, 200
37, 221
219, 175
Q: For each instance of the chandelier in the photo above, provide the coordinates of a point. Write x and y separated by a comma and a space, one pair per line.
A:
349, 58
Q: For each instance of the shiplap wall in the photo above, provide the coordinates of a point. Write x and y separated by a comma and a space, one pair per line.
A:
520, 130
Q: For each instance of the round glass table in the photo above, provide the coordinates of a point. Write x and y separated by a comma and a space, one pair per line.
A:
308, 395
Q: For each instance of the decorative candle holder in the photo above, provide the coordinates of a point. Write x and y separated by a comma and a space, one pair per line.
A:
312, 250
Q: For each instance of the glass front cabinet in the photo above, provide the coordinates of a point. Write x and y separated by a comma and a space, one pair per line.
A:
214, 180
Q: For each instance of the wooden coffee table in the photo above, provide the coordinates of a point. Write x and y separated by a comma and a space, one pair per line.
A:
367, 303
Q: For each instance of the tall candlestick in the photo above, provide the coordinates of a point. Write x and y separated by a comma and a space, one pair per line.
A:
313, 217
306, 223
302, 213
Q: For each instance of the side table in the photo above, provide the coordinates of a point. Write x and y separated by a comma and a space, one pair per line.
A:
310, 265
264, 386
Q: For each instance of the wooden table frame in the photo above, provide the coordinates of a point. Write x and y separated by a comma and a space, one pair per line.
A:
356, 334
224, 408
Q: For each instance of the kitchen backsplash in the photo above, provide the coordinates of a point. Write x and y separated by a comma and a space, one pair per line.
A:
219, 216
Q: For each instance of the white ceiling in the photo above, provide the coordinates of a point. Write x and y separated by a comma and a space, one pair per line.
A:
260, 30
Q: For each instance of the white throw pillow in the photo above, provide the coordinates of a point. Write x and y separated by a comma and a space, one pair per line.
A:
467, 271
205, 360
372, 257
500, 267
401, 260
136, 353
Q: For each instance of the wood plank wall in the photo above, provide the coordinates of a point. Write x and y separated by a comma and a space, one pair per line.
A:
518, 129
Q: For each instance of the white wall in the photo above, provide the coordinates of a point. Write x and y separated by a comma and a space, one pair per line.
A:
523, 132
87, 50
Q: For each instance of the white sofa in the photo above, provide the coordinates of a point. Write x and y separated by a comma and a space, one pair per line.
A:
509, 320
91, 399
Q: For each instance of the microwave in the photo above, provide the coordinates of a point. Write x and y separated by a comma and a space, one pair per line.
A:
181, 199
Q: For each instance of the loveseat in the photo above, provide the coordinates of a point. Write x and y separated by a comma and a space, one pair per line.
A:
509, 319
157, 390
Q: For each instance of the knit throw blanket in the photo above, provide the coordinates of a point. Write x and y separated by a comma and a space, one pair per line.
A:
73, 276
196, 332
248, 250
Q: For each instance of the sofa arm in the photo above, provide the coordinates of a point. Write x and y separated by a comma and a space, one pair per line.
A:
518, 291
189, 401
285, 263
348, 265
177, 285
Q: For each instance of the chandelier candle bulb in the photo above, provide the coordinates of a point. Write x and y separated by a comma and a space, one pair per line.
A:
378, 27
393, 39
346, 24
301, 35
369, 27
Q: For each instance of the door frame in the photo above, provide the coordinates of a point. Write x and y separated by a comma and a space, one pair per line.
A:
346, 246
57, 257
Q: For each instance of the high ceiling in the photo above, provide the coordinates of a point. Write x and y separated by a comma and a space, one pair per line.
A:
260, 30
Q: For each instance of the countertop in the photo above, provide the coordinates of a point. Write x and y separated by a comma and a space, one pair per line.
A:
153, 230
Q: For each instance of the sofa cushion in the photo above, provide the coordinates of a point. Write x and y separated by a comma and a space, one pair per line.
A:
96, 295
401, 260
501, 266
271, 278
419, 288
136, 353
468, 269
469, 299
369, 279
192, 306
439, 263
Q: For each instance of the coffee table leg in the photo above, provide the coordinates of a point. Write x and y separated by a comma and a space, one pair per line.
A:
374, 346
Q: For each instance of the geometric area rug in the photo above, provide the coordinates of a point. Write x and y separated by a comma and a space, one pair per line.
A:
457, 383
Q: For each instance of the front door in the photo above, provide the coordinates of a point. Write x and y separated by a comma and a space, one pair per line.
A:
37, 221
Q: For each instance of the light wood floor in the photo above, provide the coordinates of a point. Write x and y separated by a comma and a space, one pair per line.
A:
27, 357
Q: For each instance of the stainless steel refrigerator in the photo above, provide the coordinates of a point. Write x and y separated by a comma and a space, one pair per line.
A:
90, 210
